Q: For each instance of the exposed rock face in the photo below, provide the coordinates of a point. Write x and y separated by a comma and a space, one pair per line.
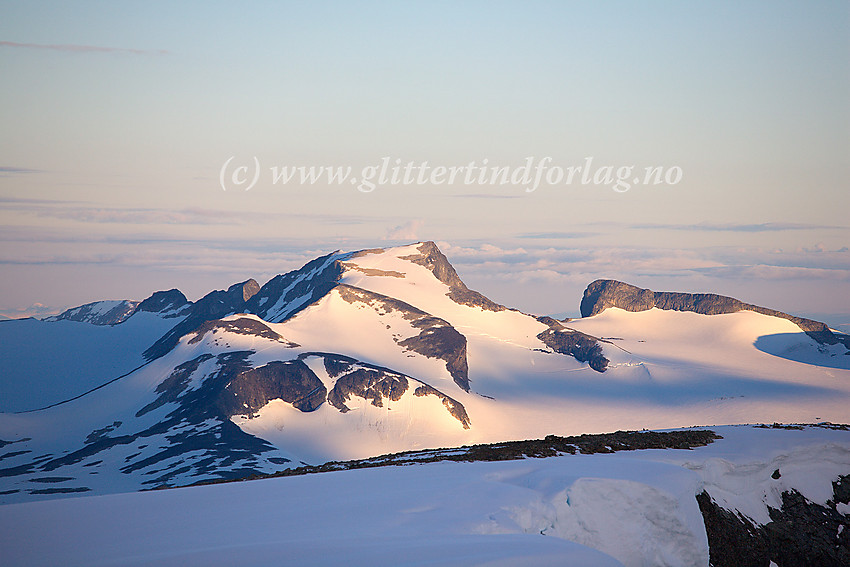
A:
116, 312
233, 388
336, 364
99, 312
291, 381
603, 294
248, 288
370, 271
800, 533
436, 339
172, 388
431, 257
580, 346
367, 383
551, 446
217, 304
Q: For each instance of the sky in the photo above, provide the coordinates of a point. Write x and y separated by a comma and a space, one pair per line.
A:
130, 133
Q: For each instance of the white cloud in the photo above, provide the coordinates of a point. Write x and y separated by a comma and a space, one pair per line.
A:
407, 231
35, 310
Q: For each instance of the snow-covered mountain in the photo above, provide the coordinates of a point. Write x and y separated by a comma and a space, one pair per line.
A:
371, 352
99, 312
385, 350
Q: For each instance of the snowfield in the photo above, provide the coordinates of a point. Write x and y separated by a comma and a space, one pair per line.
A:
633, 508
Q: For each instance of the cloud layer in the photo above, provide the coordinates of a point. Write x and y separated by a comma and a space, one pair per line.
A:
74, 48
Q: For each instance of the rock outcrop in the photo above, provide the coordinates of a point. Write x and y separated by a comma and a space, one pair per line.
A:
800, 533
291, 381
580, 346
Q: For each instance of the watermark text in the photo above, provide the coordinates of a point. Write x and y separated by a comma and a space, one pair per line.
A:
529, 175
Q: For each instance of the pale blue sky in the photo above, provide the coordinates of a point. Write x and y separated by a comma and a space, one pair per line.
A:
110, 157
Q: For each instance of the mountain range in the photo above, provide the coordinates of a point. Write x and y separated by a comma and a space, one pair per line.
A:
384, 357
378, 351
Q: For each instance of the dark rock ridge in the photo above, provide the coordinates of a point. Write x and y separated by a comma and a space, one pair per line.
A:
370, 271
241, 326
230, 387
551, 446
436, 339
454, 407
580, 346
169, 302
800, 533
249, 289
175, 384
336, 364
287, 294
212, 306
603, 294
431, 257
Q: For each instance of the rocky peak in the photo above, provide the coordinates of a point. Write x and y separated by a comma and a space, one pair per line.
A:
432, 258
163, 301
246, 289
602, 294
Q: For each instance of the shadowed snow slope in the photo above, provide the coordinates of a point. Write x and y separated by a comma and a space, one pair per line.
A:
45, 362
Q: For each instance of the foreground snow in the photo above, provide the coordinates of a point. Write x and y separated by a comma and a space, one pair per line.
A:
631, 508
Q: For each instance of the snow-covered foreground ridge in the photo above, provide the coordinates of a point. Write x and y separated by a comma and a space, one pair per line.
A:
750, 497
371, 352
